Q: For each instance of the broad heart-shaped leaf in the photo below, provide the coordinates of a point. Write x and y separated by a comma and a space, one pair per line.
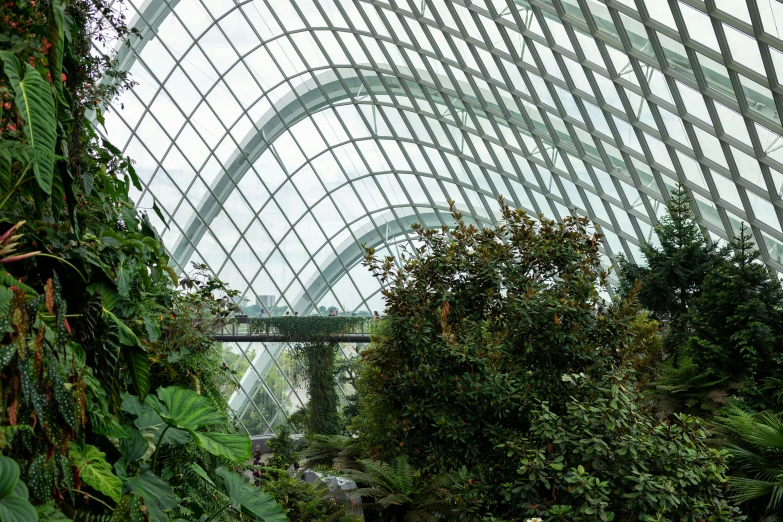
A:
34, 101
251, 501
138, 368
134, 447
156, 492
94, 470
233, 446
147, 420
186, 409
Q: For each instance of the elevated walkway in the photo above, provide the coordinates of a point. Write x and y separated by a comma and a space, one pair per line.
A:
241, 331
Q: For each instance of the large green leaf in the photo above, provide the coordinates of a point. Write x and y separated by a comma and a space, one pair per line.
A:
9, 475
14, 506
126, 335
147, 420
186, 409
233, 446
201, 473
249, 500
156, 492
134, 447
33, 100
139, 369
94, 470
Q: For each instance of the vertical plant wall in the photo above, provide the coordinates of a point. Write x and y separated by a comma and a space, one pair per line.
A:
314, 346
110, 383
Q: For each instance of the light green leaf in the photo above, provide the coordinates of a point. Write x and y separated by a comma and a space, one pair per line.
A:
233, 446
33, 100
94, 470
249, 500
139, 369
186, 409
148, 421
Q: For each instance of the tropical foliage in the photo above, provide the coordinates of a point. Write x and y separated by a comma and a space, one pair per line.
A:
755, 448
110, 386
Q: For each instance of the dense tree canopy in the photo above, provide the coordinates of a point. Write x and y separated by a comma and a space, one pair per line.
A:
497, 344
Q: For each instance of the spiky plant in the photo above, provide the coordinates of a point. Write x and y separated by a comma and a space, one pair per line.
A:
756, 462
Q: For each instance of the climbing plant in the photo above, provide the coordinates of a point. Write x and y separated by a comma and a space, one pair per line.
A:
314, 345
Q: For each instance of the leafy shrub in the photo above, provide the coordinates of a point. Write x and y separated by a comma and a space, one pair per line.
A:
605, 459
303, 501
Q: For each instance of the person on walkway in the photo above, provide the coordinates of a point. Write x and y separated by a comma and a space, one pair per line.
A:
375, 316
296, 314
257, 455
261, 314
332, 313
287, 313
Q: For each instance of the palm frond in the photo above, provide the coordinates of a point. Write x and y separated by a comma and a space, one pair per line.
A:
767, 431
746, 489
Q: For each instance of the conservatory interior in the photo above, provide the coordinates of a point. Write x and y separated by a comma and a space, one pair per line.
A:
386, 260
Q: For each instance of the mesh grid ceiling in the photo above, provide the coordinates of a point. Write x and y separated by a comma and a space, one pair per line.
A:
277, 136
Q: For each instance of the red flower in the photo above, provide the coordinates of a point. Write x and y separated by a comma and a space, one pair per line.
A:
63, 77
7, 106
11, 127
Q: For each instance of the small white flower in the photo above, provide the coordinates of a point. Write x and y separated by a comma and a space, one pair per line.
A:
565, 378
536, 519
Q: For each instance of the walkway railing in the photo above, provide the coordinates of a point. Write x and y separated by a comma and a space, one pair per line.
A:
242, 330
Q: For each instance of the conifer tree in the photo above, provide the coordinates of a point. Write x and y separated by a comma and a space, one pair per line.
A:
672, 279
738, 319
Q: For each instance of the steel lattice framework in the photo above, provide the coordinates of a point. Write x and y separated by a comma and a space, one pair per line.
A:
277, 136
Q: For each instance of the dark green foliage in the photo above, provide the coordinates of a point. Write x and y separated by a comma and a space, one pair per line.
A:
480, 327
336, 451
673, 277
282, 447
90, 310
397, 492
607, 459
498, 353
755, 443
738, 321
313, 328
302, 501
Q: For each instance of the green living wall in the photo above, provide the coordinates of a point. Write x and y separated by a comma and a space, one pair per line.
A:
111, 389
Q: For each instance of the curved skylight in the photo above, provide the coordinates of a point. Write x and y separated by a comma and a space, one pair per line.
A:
277, 136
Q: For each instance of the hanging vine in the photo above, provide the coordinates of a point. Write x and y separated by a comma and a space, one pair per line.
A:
316, 348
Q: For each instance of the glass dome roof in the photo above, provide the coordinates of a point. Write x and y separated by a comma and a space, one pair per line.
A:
277, 136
